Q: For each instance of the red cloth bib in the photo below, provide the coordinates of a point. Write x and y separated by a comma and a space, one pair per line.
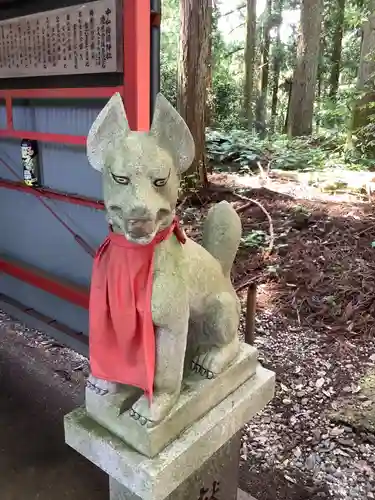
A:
122, 337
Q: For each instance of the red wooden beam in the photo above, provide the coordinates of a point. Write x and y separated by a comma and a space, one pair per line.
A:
73, 93
52, 194
76, 140
65, 290
137, 53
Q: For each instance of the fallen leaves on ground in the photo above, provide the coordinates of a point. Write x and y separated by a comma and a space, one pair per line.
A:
322, 270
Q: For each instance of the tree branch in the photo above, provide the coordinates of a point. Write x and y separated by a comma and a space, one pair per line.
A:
234, 51
251, 201
237, 27
233, 10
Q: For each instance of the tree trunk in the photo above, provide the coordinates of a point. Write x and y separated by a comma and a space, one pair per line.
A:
363, 109
209, 108
288, 85
261, 118
277, 61
318, 101
305, 74
336, 50
195, 36
320, 88
367, 63
249, 62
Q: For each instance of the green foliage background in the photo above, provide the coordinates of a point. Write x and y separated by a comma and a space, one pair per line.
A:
227, 138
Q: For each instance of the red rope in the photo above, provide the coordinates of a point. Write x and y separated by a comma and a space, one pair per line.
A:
35, 192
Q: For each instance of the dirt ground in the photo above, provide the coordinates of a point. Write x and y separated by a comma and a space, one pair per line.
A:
321, 270
35, 463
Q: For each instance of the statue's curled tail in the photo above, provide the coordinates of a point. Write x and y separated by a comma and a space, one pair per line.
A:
222, 234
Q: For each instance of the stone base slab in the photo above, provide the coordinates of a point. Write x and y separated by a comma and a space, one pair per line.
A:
118, 493
217, 478
198, 396
157, 478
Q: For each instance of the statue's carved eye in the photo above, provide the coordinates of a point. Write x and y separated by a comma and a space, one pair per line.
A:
162, 182
121, 179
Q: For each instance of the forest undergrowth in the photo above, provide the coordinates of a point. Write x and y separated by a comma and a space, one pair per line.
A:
321, 269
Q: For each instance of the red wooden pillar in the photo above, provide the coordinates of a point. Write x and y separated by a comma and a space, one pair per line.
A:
137, 53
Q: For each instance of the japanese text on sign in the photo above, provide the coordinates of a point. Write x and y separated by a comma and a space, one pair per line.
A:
73, 40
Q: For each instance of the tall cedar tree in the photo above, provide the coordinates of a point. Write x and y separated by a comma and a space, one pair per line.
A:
336, 49
249, 61
305, 74
277, 60
195, 35
261, 118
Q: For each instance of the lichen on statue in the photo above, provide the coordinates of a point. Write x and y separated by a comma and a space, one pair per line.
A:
160, 303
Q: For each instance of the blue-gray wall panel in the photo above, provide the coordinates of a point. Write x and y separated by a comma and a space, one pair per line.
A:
29, 232
66, 168
45, 303
65, 119
3, 116
58, 119
10, 152
23, 117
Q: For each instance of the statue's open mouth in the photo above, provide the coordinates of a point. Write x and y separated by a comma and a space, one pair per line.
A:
140, 230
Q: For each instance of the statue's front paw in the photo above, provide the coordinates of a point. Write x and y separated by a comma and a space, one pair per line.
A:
150, 415
100, 386
216, 360
196, 366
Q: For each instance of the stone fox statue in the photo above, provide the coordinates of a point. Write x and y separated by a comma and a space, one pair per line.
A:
193, 307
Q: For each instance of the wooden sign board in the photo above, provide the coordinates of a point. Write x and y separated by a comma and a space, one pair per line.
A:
80, 39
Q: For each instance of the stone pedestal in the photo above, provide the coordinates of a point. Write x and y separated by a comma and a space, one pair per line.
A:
198, 396
217, 477
200, 464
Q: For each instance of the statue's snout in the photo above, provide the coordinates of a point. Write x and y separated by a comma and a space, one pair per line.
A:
138, 228
140, 222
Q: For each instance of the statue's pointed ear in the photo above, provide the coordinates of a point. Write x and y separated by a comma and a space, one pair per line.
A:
172, 133
107, 132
